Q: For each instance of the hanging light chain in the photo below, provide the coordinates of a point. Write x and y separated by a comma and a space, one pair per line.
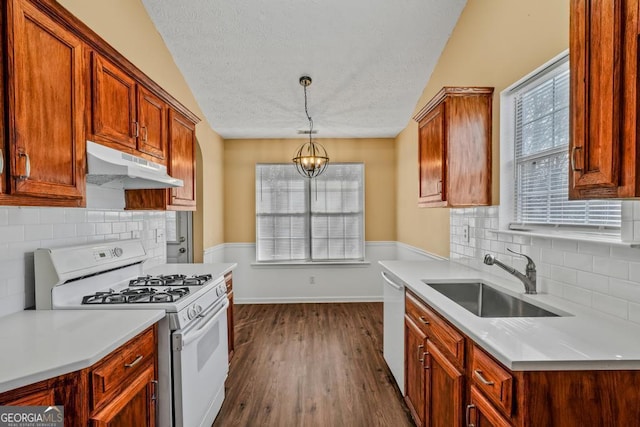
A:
306, 111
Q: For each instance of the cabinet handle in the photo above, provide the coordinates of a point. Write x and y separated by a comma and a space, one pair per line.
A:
27, 166
424, 320
439, 187
1, 161
137, 127
420, 348
573, 159
145, 134
483, 380
154, 398
134, 363
468, 415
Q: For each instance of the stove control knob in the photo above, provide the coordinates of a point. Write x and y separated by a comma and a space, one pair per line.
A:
198, 309
117, 252
191, 312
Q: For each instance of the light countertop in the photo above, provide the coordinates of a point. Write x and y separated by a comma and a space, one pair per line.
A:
580, 339
42, 344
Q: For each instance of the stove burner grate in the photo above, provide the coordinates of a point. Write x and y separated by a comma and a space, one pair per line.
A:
137, 296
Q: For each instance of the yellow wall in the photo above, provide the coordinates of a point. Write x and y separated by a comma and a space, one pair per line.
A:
494, 43
126, 25
241, 156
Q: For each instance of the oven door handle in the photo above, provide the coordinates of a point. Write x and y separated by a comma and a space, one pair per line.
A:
182, 339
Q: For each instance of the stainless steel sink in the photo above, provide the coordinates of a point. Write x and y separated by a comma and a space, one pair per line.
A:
485, 301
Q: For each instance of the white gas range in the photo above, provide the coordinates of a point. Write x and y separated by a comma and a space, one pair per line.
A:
192, 341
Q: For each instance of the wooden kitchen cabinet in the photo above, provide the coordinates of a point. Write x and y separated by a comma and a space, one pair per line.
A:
415, 342
62, 390
454, 148
481, 413
44, 154
228, 278
119, 390
125, 114
134, 406
444, 390
464, 385
182, 165
603, 61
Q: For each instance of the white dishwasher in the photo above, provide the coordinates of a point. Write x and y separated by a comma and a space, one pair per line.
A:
393, 339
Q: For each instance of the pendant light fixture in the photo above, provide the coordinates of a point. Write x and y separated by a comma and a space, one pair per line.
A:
311, 158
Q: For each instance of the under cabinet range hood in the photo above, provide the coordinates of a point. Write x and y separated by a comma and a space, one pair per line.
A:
111, 168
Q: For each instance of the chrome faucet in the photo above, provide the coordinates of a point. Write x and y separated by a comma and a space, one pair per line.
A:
529, 280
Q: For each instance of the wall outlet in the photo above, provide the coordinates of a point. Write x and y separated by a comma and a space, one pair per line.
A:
465, 233
312, 280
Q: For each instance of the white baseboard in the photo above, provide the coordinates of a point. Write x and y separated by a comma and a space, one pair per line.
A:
275, 284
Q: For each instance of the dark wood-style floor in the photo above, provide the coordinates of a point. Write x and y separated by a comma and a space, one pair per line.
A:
310, 365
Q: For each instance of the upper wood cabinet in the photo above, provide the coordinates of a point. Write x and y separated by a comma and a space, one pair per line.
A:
181, 164
454, 149
44, 154
603, 59
125, 113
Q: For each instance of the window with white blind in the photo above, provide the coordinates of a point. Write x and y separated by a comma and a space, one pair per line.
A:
540, 132
300, 219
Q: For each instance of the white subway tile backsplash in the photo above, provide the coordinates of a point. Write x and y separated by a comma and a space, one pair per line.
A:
603, 276
594, 248
22, 230
38, 232
611, 305
4, 216
53, 215
595, 282
629, 291
95, 216
634, 312
624, 252
24, 216
552, 256
75, 216
578, 261
577, 294
10, 233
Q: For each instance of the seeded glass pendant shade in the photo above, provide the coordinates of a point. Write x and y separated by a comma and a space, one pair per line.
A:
311, 158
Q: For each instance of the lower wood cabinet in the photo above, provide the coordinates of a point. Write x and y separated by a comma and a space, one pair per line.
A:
414, 377
444, 390
119, 390
451, 381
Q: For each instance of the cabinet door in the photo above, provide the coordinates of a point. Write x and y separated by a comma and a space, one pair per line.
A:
431, 157
46, 103
480, 412
182, 161
134, 406
444, 389
113, 114
600, 90
414, 370
152, 115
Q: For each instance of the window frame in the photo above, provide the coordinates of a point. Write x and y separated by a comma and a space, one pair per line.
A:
309, 214
508, 173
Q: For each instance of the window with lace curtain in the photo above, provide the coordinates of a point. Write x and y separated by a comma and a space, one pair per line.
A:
309, 220
538, 126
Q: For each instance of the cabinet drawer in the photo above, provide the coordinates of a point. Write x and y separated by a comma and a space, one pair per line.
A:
436, 328
121, 366
493, 380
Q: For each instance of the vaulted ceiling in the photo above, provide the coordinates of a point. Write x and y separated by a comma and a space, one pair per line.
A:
369, 61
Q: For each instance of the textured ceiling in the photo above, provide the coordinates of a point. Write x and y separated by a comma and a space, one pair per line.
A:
369, 61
